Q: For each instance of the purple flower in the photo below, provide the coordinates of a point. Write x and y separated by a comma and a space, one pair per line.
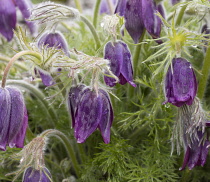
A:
196, 154
90, 110
180, 83
173, 2
8, 16
13, 118
134, 19
104, 7
120, 8
51, 40
33, 175
151, 21
120, 63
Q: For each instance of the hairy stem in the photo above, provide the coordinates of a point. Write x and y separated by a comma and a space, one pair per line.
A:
93, 31
96, 10
204, 74
78, 5
6, 60
181, 14
14, 58
67, 144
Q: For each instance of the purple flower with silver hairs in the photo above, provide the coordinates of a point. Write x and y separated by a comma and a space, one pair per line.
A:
120, 63
196, 154
90, 110
140, 15
52, 40
13, 118
8, 17
33, 175
180, 83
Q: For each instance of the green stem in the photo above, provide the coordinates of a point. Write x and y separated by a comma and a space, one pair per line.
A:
78, 5
181, 14
137, 54
204, 74
39, 95
93, 31
14, 58
6, 60
96, 10
67, 144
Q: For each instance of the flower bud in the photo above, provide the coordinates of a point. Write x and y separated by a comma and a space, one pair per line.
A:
14, 119
90, 110
180, 83
33, 175
151, 21
51, 40
134, 19
120, 63
7, 18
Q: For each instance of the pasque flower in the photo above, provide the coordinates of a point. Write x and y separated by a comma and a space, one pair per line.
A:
90, 110
13, 118
8, 16
180, 83
51, 39
33, 175
120, 63
140, 15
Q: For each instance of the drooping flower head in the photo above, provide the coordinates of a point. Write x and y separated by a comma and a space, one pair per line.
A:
56, 40
8, 16
90, 110
120, 63
33, 175
13, 118
180, 83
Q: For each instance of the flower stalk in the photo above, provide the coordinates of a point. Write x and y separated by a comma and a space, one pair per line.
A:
14, 58
95, 15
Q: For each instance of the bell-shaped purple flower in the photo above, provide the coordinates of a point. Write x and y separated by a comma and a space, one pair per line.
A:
151, 21
180, 83
7, 18
33, 175
13, 118
134, 19
120, 7
120, 63
90, 110
196, 154
51, 40
104, 7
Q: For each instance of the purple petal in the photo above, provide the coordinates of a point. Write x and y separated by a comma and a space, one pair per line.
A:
16, 114
181, 85
104, 7
151, 21
134, 19
18, 140
54, 40
126, 69
195, 152
107, 116
120, 8
75, 94
88, 115
32, 175
114, 53
204, 153
47, 79
25, 6
186, 158
7, 18
5, 108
